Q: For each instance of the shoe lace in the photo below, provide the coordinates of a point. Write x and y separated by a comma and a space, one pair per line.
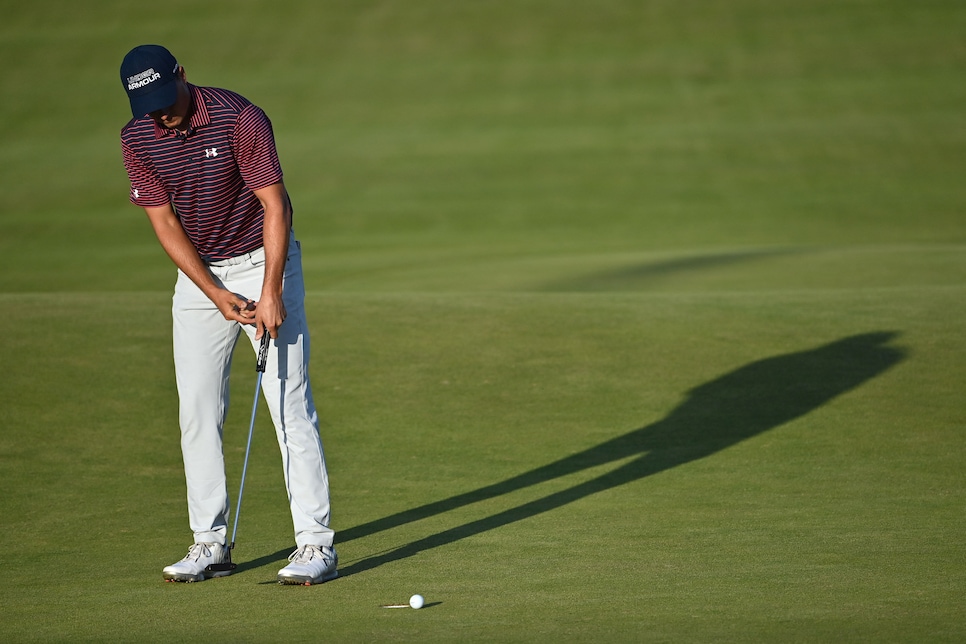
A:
305, 554
197, 551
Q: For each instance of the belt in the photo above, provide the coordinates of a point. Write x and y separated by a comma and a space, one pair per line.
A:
240, 259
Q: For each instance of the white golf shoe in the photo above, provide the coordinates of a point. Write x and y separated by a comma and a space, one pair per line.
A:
310, 565
199, 557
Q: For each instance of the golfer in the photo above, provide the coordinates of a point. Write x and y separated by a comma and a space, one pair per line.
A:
203, 165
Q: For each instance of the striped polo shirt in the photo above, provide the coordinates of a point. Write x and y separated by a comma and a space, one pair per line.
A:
208, 175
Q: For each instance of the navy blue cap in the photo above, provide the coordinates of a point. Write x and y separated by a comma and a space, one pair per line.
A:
149, 73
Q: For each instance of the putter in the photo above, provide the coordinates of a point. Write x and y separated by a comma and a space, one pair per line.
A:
229, 566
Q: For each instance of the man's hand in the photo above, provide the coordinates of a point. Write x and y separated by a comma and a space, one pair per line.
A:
234, 307
269, 315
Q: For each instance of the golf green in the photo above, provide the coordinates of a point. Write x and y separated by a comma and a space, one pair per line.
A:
631, 321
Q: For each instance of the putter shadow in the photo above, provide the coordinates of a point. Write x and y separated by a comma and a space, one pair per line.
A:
280, 555
741, 404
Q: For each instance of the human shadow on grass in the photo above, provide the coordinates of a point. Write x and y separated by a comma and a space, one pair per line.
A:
741, 404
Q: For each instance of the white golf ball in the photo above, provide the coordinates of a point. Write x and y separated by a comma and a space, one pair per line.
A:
417, 601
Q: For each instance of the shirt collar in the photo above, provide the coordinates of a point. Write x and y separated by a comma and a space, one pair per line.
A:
199, 115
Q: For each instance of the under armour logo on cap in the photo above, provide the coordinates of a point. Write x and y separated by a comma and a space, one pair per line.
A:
149, 74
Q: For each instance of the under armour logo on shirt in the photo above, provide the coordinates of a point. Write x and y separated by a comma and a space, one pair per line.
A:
211, 152
135, 193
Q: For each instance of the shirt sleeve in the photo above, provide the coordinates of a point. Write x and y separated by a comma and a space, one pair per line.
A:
147, 189
255, 151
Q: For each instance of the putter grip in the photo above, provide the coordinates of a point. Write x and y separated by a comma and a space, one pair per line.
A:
263, 352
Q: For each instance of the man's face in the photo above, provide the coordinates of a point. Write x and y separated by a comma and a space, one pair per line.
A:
176, 115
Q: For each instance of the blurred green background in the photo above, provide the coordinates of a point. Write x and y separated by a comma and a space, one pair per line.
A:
595, 135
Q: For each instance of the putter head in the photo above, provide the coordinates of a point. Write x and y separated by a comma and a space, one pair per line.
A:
225, 566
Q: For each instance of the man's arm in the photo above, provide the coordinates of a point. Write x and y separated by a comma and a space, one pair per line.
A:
270, 312
184, 255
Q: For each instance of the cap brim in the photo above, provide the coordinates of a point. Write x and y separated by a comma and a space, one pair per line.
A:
158, 98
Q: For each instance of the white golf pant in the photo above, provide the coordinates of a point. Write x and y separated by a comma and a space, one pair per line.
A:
203, 346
